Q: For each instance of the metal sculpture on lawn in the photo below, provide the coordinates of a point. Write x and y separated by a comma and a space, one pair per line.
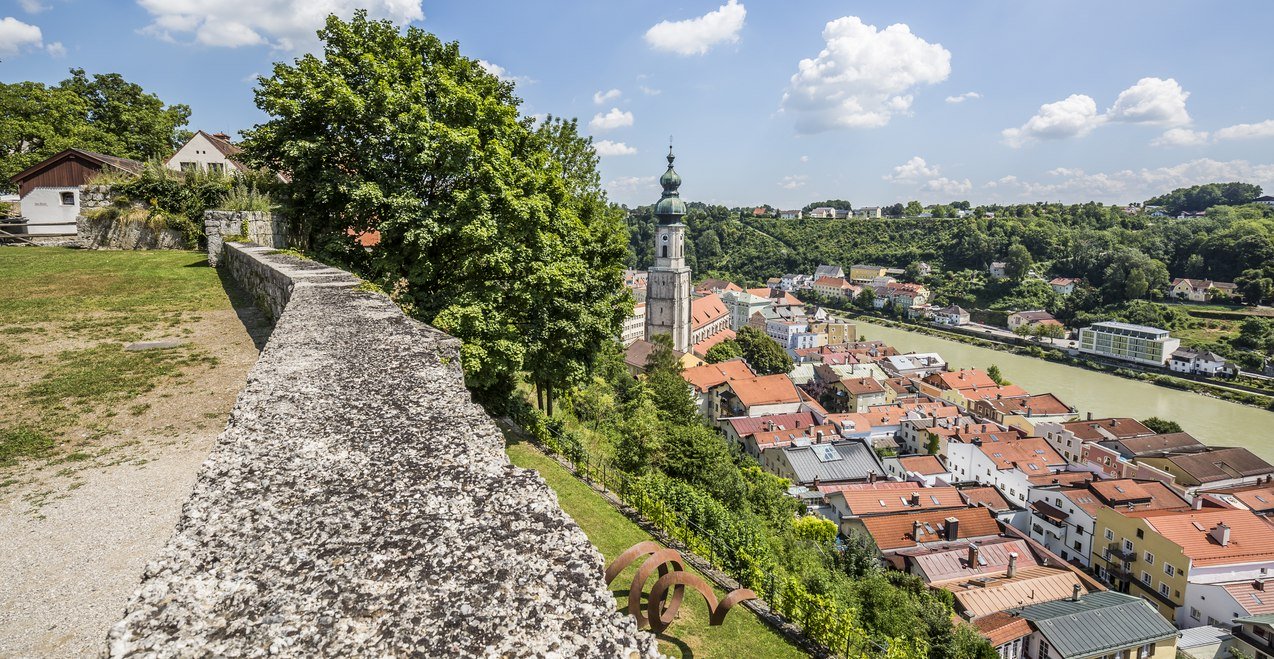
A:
670, 588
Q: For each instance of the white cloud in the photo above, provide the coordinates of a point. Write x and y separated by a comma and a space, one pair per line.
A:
56, 49
862, 77
606, 96
16, 36
949, 186
696, 36
631, 183
611, 120
1005, 180
805, 158
967, 96
1152, 101
1125, 185
649, 91
609, 148
1075, 116
793, 182
32, 6
1181, 137
288, 25
1247, 131
913, 169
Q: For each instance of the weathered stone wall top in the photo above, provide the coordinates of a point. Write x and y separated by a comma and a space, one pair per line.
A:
360, 504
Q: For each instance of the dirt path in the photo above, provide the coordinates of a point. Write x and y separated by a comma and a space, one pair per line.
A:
77, 528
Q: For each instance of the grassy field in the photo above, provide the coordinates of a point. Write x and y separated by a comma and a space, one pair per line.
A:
65, 318
742, 635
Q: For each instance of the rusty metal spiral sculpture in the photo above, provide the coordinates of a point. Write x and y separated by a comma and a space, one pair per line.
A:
670, 588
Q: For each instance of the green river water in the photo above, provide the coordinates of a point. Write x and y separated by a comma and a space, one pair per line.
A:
1211, 420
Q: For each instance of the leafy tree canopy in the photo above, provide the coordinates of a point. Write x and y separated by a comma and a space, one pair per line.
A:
763, 354
838, 204
1198, 198
1161, 426
491, 229
103, 113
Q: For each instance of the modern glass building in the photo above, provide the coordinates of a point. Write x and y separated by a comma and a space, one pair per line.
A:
1134, 343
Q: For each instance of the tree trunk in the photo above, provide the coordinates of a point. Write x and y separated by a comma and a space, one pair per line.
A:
539, 396
548, 398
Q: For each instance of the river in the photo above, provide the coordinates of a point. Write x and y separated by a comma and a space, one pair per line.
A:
1211, 420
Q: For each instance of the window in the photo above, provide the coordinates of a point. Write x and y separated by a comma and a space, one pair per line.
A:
216, 168
1150, 558
189, 166
1145, 578
1169, 570
1110, 535
1164, 590
1127, 544
68, 198
1140, 534
1079, 529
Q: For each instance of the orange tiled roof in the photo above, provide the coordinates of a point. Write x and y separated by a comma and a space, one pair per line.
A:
897, 531
1000, 628
765, 390
706, 310
926, 465
1096, 430
874, 502
991, 393
1259, 499
701, 348
986, 496
968, 378
1039, 404
862, 386
780, 438
1031, 456
1192, 531
703, 378
1256, 601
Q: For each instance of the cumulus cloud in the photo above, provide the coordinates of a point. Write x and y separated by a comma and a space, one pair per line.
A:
921, 175
600, 97
1247, 131
288, 25
1181, 137
1152, 101
913, 169
862, 77
793, 182
805, 158
56, 49
1078, 185
609, 148
616, 118
16, 36
1075, 116
32, 6
696, 36
967, 96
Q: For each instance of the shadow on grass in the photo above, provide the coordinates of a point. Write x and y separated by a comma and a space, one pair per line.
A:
254, 321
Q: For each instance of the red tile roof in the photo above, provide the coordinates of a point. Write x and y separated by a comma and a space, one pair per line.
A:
1192, 531
703, 378
868, 502
1031, 456
925, 465
897, 531
1000, 628
746, 425
1037, 405
959, 380
706, 310
701, 348
765, 390
862, 386
986, 496
1098, 430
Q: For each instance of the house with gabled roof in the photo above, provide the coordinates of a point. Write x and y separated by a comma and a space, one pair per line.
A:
49, 191
907, 530
1098, 624
210, 153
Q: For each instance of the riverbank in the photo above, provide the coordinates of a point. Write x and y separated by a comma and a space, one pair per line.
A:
1233, 393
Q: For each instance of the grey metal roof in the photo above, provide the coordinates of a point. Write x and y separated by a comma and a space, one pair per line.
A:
1097, 624
848, 461
1195, 637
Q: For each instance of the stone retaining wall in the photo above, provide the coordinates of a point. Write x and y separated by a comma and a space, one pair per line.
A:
110, 233
360, 504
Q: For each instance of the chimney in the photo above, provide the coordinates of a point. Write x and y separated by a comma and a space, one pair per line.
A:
1259, 585
915, 498
1090, 416
915, 530
1075, 593
871, 477
973, 555
222, 136
1113, 423
1012, 565
953, 528
1198, 502
1221, 534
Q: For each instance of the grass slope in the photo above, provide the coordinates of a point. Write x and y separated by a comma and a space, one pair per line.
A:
742, 635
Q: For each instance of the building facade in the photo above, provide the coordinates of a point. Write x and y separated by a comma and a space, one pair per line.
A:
1134, 343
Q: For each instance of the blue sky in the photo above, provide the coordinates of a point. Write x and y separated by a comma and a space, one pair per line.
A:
773, 102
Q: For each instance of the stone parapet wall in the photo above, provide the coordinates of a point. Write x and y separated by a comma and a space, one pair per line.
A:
360, 504
259, 227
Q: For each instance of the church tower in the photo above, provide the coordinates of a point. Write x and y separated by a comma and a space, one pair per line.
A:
668, 286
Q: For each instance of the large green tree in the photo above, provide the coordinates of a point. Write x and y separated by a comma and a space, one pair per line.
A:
763, 354
104, 113
490, 228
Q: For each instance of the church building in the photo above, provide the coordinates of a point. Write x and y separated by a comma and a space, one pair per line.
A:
668, 286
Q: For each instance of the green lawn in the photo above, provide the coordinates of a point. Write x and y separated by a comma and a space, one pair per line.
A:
742, 635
